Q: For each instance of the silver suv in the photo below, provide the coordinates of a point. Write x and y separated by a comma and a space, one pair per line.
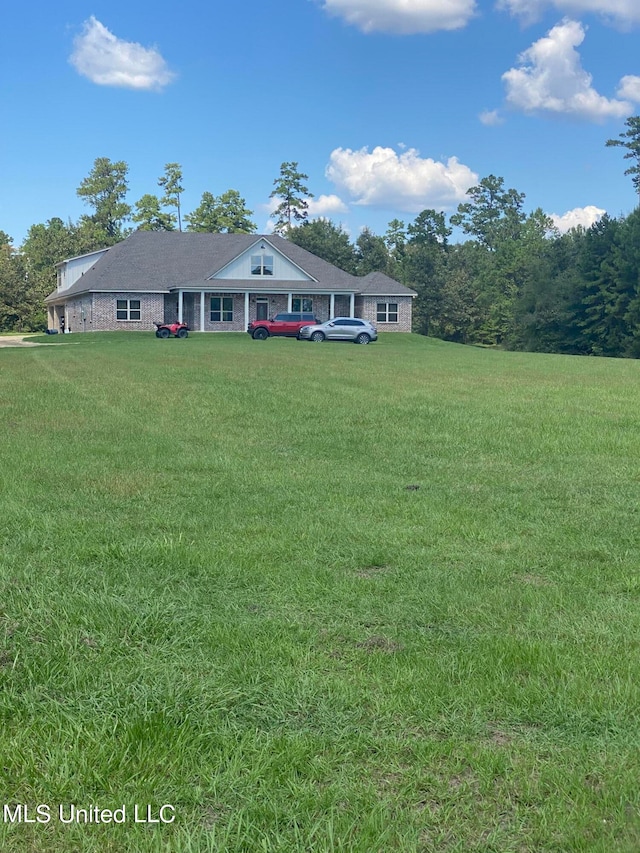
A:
340, 329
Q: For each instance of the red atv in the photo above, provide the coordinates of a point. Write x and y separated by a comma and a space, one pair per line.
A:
165, 330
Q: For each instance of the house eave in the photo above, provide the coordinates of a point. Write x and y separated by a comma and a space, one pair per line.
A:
231, 286
80, 257
63, 297
385, 293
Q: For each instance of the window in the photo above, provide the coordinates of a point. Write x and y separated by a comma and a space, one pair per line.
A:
387, 312
222, 309
302, 304
261, 264
127, 309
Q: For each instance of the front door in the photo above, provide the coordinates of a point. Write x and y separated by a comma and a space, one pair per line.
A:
262, 309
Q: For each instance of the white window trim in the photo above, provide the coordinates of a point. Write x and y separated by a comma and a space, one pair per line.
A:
222, 309
263, 265
386, 312
129, 309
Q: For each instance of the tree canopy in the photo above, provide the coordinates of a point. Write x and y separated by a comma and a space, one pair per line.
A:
630, 140
105, 189
171, 183
293, 195
225, 214
150, 216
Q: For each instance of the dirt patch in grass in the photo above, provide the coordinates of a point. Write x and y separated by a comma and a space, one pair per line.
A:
378, 643
372, 571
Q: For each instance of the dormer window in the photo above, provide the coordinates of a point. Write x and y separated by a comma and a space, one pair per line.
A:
261, 264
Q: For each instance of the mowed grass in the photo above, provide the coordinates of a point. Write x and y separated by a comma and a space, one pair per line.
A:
320, 597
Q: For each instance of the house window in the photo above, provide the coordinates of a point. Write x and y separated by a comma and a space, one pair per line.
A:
387, 312
221, 309
261, 264
302, 304
127, 309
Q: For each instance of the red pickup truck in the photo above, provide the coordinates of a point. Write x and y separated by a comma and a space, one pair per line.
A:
282, 325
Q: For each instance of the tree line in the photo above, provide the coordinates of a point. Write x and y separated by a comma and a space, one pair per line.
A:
513, 281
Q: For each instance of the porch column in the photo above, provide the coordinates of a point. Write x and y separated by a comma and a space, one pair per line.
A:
332, 306
202, 310
246, 309
180, 306
352, 305
289, 302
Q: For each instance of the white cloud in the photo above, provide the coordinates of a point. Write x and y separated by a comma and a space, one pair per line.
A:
109, 61
406, 181
325, 205
629, 88
491, 118
579, 216
622, 12
321, 207
403, 16
550, 78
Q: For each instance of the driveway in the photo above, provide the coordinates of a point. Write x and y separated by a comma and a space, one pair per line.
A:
17, 341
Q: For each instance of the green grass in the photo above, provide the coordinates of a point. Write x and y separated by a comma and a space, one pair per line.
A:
320, 598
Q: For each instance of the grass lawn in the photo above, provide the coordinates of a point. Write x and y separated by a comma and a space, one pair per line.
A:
318, 597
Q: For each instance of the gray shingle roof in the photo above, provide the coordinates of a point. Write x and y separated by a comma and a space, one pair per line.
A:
159, 261
379, 284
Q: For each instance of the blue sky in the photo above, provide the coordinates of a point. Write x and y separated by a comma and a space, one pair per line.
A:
389, 106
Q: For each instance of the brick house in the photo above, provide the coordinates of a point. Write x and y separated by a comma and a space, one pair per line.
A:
215, 283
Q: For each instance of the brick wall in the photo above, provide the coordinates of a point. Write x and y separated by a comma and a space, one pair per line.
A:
97, 312
77, 315
102, 313
366, 307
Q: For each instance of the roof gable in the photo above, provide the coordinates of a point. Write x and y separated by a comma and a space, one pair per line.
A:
262, 261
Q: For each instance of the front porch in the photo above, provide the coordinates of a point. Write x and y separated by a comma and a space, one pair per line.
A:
232, 311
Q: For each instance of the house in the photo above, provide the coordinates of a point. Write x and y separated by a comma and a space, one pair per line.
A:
215, 283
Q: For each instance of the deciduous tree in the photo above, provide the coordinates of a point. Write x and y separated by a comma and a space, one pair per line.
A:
326, 240
372, 254
21, 306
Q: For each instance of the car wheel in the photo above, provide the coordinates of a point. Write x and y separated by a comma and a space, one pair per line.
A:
317, 337
182, 333
157, 334
260, 335
163, 333
363, 338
